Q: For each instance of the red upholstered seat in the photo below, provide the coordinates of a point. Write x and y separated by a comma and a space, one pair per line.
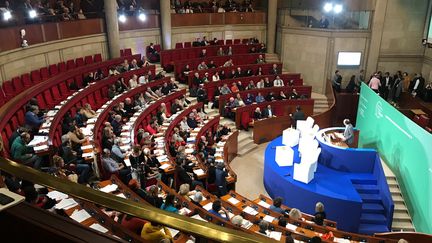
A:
25, 80
20, 116
187, 44
56, 93
18, 85
8, 88
97, 58
122, 53
179, 45
44, 73
423, 121
88, 59
127, 52
62, 67
53, 69
237, 41
79, 62
220, 42
244, 41
70, 64
228, 42
35, 76
49, 101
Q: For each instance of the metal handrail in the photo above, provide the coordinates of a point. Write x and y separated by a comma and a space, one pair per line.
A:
182, 223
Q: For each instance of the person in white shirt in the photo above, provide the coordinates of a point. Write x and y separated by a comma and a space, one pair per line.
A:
216, 77
133, 82
142, 79
278, 82
260, 84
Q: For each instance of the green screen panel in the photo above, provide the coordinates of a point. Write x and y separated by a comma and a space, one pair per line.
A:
407, 149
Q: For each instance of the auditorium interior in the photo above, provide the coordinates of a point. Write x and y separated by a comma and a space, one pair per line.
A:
216, 121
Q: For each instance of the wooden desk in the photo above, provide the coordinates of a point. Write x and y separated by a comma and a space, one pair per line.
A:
268, 129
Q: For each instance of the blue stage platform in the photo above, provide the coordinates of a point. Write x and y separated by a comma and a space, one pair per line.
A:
357, 201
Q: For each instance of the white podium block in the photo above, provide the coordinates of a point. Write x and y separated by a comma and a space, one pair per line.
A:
284, 156
290, 137
307, 145
303, 172
312, 158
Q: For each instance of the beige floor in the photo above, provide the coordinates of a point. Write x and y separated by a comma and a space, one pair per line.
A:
250, 170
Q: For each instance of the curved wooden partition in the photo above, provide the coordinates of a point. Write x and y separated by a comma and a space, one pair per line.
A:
244, 114
409, 236
229, 18
95, 93
211, 86
98, 127
301, 90
254, 67
211, 126
48, 93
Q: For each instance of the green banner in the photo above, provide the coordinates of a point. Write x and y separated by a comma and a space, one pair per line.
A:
407, 149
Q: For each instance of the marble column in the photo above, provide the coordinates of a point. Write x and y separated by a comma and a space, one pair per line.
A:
165, 13
112, 30
271, 25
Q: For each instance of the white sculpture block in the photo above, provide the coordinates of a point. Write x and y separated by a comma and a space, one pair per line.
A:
307, 144
290, 137
284, 156
310, 121
303, 172
312, 158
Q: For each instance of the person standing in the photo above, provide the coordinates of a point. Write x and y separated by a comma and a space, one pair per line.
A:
348, 133
297, 115
337, 81
375, 83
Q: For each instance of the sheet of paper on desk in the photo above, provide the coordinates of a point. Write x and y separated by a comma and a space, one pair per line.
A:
52, 112
263, 204
341, 240
162, 158
198, 217
291, 227
80, 215
37, 140
65, 203
208, 206
125, 147
87, 155
233, 201
192, 196
133, 118
189, 151
91, 120
87, 147
219, 160
99, 228
268, 218
121, 195
250, 211
56, 195
199, 172
44, 130
125, 134
159, 139
41, 148
275, 235
184, 211
109, 188
127, 162
246, 224
164, 166
191, 139
173, 232
221, 144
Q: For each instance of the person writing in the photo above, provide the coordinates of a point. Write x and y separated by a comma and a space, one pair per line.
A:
348, 135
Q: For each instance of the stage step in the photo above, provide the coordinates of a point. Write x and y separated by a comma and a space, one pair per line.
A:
366, 189
364, 181
373, 218
370, 229
370, 198
372, 208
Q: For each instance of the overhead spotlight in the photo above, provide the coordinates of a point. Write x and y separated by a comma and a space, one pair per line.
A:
32, 14
338, 8
7, 15
122, 18
328, 7
142, 17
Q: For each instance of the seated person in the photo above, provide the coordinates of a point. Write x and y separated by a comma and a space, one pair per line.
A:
220, 52
320, 214
281, 96
22, 153
251, 85
267, 83
211, 64
274, 70
257, 114
168, 205
202, 66
225, 89
228, 63
218, 210
294, 95
260, 60
191, 121
153, 232
277, 203
32, 120
234, 88
268, 112
203, 53
249, 99
270, 97
80, 118
117, 125
88, 112
77, 137
197, 198
59, 170
155, 57
229, 108
278, 82
112, 167
259, 98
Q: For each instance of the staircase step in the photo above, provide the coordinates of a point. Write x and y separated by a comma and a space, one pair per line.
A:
372, 208
401, 215
367, 189
373, 218
370, 229
402, 225
246, 149
370, 198
397, 197
364, 181
245, 143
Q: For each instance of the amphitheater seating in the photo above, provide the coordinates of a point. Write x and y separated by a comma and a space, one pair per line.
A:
168, 57
242, 59
266, 68
211, 87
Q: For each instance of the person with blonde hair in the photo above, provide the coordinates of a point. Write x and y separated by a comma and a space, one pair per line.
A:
295, 214
88, 112
320, 214
185, 192
237, 220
